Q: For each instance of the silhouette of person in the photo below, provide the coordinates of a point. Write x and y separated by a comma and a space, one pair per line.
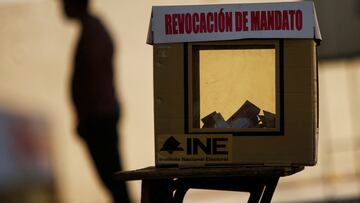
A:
94, 98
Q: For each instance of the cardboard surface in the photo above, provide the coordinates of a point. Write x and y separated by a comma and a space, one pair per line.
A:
294, 144
204, 88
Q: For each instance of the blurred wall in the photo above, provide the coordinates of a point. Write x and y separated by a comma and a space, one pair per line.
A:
36, 50
340, 28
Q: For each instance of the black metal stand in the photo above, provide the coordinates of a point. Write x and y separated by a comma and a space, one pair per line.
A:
171, 184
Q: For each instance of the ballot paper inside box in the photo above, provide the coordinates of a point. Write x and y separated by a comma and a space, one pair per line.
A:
238, 99
246, 117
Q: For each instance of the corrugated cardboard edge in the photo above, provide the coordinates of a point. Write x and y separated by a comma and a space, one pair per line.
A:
317, 33
150, 37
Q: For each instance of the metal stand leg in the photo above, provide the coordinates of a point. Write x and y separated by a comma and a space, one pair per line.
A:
180, 194
255, 194
269, 189
157, 191
173, 191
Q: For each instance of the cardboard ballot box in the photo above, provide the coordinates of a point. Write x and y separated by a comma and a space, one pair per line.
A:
235, 84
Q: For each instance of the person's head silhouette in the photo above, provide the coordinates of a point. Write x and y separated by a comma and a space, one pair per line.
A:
75, 9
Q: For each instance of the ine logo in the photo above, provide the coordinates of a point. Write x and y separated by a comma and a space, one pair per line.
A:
171, 145
196, 146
